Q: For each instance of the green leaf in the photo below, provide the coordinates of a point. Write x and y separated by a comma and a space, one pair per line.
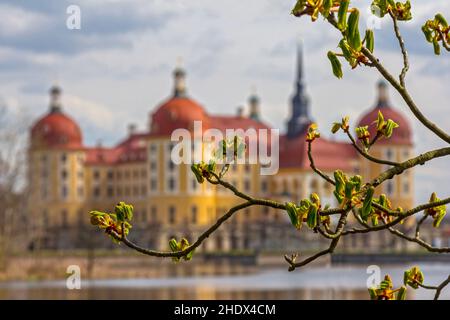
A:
373, 294
342, 14
349, 187
338, 196
436, 47
440, 18
313, 216
379, 8
123, 211
382, 200
315, 198
403, 11
292, 212
389, 128
438, 219
189, 255
335, 64
413, 277
299, 7
346, 50
374, 220
335, 128
357, 181
428, 33
173, 244
370, 41
401, 294
406, 276
353, 36
367, 204
380, 121
197, 172
327, 4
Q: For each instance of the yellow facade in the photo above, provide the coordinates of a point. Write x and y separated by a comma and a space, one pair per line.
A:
65, 184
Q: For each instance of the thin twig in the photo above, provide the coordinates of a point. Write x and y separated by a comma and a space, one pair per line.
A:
400, 89
419, 241
441, 287
368, 156
313, 166
403, 49
178, 254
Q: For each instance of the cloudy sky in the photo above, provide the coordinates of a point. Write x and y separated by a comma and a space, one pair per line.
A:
117, 68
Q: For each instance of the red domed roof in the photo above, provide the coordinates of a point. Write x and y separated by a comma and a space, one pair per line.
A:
178, 112
401, 135
56, 130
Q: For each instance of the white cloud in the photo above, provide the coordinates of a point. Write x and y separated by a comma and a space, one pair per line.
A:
15, 21
89, 111
227, 49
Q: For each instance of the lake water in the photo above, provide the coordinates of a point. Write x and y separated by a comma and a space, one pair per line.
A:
334, 282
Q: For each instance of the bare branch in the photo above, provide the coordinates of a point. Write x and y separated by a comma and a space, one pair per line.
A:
368, 156
441, 287
419, 241
164, 254
294, 265
403, 49
313, 166
406, 97
419, 160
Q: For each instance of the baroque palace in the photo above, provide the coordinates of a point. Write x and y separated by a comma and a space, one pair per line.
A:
68, 179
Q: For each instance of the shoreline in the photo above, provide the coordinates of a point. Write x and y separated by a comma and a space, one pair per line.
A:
118, 265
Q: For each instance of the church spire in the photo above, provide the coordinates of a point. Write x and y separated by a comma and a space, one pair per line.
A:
180, 80
55, 99
300, 118
254, 106
383, 96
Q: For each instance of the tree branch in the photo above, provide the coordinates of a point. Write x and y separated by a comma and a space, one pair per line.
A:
406, 97
313, 166
405, 215
403, 49
400, 89
367, 155
408, 164
419, 241
178, 254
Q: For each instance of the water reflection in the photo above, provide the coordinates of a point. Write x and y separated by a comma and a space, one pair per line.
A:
276, 283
